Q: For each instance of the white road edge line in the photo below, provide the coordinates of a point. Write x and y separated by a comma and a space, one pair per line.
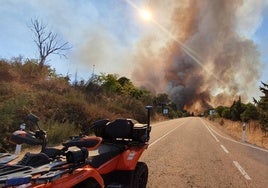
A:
243, 172
258, 148
211, 132
157, 140
224, 149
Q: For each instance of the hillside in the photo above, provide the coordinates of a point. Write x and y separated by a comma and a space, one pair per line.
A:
64, 108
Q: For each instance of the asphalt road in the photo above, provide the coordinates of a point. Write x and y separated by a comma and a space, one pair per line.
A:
191, 152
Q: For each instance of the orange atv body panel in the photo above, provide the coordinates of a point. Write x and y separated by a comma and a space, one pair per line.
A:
129, 158
124, 161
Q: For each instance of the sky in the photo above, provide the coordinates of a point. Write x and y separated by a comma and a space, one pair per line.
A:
100, 33
110, 36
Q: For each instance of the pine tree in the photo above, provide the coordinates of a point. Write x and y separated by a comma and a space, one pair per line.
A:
262, 105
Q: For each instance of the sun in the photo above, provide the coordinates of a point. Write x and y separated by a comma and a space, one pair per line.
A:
146, 14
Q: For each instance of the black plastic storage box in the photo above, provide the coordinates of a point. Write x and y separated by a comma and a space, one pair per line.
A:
140, 132
127, 129
122, 129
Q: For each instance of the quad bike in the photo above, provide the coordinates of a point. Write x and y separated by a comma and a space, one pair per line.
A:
109, 159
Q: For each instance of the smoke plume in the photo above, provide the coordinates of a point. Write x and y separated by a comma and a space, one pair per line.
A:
210, 62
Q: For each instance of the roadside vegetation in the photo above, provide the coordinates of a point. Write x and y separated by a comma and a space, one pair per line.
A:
255, 115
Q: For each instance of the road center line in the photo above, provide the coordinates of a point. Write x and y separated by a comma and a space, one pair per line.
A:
224, 149
217, 140
157, 140
242, 171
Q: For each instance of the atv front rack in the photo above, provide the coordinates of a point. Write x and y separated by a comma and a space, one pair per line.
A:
7, 157
15, 175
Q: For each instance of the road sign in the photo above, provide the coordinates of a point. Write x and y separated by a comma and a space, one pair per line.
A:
165, 111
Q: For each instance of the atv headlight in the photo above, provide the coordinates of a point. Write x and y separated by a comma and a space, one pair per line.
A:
77, 156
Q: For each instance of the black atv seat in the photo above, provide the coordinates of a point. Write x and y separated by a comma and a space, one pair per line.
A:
104, 153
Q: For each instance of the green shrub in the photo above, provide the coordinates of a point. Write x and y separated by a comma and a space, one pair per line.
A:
59, 132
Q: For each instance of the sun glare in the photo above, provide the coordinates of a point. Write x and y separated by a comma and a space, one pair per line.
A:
146, 14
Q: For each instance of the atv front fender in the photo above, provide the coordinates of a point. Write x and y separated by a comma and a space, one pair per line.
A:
78, 176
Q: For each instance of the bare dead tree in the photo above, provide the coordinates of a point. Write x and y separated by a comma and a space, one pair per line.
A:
47, 42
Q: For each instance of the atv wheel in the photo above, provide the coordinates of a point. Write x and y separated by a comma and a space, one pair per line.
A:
140, 175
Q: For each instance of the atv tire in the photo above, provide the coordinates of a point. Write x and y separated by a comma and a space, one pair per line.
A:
140, 176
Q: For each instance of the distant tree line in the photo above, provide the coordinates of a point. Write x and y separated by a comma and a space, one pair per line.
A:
239, 111
112, 85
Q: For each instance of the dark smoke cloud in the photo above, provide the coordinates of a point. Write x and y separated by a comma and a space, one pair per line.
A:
228, 64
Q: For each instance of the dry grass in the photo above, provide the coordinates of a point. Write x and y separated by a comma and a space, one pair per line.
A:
253, 132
